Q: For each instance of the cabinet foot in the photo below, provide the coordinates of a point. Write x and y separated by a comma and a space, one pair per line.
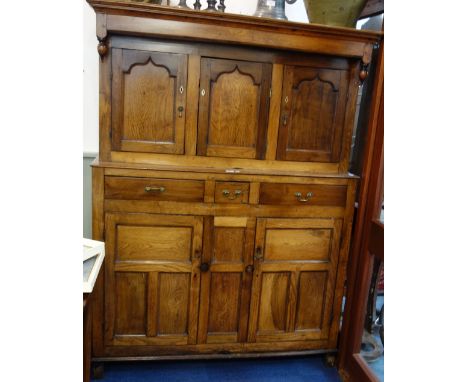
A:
97, 371
330, 359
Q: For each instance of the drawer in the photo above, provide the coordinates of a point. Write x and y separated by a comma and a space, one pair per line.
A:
231, 192
304, 194
154, 189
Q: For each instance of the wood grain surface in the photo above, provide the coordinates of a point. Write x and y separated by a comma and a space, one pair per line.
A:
221, 188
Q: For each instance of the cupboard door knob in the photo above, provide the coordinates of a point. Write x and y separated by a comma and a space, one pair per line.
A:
204, 267
154, 189
305, 199
180, 110
249, 268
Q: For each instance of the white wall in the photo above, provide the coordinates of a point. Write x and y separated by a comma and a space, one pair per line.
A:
294, 12
90, 82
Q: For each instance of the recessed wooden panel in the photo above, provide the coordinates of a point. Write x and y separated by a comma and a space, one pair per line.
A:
233, 109
285, 193
297, 244
228, 244
148, 101
224, 302
173, 300
311, 121
231, 221
273, 301
129, 188
311, 295
153, 243
313, 107
148, 104
130, 303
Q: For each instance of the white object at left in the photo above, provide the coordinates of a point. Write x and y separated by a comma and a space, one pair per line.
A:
93, 256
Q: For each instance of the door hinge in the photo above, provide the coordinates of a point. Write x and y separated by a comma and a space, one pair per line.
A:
270, 92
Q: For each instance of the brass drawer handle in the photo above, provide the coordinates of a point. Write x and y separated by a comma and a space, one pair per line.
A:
154, 189
299, 197
227, 194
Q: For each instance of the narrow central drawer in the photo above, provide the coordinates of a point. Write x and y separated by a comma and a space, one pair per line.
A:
154, 189
231, 192
305, 194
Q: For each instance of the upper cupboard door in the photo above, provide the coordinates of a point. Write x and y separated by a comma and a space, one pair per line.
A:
312, 114
148, 101
233, 109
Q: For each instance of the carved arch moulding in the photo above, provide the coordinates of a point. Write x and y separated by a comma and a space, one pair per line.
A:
217, 75
169, 62
317, 77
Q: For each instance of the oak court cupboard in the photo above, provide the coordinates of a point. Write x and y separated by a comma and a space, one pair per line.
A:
222, 188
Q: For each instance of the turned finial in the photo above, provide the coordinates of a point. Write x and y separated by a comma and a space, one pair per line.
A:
102, 48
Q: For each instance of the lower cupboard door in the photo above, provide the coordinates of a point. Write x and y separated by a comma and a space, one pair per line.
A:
226, 279
152, 279
294, 279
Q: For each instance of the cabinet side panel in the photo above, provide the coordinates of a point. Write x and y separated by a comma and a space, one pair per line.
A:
349, 116
98, 234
